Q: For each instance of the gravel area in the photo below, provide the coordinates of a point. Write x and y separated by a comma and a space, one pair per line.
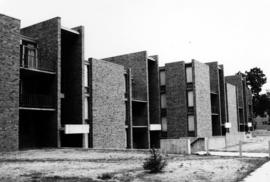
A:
90, 165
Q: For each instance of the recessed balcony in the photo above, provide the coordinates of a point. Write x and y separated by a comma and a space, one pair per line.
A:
36, 101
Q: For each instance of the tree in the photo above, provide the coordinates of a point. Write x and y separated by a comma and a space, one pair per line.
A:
255, 79
261, 105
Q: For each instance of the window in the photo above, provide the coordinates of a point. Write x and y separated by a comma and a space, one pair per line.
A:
191, 123
163, 101
164, 124
86, 73
190, 99
86, 114
28, 57
189, 77
162, 77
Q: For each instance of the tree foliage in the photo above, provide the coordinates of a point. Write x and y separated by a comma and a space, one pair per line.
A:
261, 104
255, 79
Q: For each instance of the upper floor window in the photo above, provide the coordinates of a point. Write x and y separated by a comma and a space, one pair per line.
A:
86, 74
162, 77
191, 123
28, 58
163, 101
189, 77
86, 108
164, 124
190, 99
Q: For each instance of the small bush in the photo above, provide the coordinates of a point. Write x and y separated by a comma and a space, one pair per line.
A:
155, 163
105, 176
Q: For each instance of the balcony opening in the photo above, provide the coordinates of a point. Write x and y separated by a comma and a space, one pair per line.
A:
139, 113
37, 129
216, 126
36, 91
214, 104
140, 138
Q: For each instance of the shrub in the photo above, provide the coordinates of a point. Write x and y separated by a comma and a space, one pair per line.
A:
155, 163
105, 176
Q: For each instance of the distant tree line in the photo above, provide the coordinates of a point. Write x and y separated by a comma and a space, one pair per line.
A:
255, 80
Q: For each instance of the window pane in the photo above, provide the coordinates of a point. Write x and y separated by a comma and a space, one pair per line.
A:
162, 77
163, 101
86, 116
191, 124
86, 75
164, 124
190, 99
189, 74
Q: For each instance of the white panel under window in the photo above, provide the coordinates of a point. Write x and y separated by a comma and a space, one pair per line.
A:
189, 74
162, 78
86, 110
86, 75
191, 123
164, 124
76, 128
163, 101
190, 99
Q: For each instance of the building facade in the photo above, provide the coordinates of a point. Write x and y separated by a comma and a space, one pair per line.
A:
185, 100
52, 97
144, 98
44, 60
244, 101
196, 100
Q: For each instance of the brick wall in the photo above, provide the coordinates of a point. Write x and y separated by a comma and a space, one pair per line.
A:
108, 105
9, 82
48, 37
138, 64
202, 99
232, 107
176, 100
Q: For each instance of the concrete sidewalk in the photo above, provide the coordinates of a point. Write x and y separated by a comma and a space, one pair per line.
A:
262, 174
236, 154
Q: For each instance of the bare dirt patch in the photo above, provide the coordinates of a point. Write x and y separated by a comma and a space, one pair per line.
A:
90, 165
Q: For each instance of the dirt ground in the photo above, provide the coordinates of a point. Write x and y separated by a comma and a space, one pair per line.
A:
89, 165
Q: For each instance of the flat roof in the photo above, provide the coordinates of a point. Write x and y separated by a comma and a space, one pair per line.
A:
70, 30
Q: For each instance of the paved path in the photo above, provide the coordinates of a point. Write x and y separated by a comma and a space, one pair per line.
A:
244, 154
262, 174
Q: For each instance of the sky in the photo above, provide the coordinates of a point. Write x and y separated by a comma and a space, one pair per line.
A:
236, 33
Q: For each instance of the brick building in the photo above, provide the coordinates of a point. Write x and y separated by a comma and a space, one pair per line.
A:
143, 123
196, 101
244, 101
185, 100
52, 97
38, 64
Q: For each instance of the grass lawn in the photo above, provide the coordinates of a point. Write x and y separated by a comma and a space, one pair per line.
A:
91, 165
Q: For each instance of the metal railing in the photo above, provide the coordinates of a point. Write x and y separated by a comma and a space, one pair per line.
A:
36, 100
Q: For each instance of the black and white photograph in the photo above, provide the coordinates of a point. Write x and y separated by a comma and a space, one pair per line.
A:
134, 91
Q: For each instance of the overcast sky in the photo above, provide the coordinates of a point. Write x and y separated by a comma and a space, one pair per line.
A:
236, 33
